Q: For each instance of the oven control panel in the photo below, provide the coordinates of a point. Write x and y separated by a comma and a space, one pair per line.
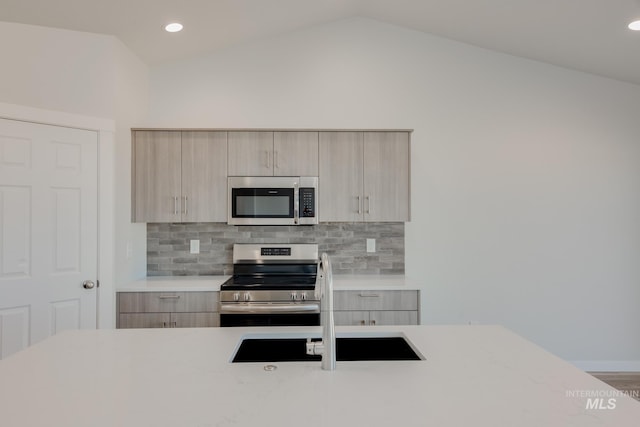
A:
276, 297
269, 251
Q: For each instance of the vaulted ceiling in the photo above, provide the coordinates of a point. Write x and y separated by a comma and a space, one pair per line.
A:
586, 35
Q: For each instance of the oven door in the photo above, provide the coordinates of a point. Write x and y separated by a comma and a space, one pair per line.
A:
269, 314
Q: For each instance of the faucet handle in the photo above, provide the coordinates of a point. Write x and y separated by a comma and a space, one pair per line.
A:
323, 276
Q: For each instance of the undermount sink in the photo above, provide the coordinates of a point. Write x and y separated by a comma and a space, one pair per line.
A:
358, 347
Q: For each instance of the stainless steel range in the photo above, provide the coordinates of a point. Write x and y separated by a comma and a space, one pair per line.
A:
272, 285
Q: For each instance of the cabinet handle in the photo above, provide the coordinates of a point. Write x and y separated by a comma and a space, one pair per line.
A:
266, 156
175, 324
164, 324
169, 296
362, 323
368, 200
368, 295
275, 160
372, 323
175, 205
186, 211
359, 205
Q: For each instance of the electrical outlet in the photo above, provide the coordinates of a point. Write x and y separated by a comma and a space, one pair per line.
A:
371, 245
194, 247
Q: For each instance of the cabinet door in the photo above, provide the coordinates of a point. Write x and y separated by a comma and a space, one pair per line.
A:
295, 153
144, 320
351, 318
340, 176
156, 161
386, 176
195, 320
381, 318
250, 153
204, 177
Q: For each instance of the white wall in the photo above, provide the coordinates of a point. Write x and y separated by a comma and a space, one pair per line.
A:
526, 177
57, 69
132, 96
87, 75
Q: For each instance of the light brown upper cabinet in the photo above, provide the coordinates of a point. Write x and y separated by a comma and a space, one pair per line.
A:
364, 176
266, 153
179, 176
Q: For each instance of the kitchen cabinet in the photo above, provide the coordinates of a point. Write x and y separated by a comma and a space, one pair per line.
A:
364, 176
179, 176
387, 307
295, 153
167, 309
280, 153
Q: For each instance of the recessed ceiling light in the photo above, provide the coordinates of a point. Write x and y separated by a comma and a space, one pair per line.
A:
174, 27
635, 25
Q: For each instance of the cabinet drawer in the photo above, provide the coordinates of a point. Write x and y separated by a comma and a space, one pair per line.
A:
201, 302
375, 300
167, 302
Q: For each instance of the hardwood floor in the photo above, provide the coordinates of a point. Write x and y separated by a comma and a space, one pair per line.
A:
623, 381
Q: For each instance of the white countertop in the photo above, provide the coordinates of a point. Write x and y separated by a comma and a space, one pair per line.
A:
481, 376
212, 283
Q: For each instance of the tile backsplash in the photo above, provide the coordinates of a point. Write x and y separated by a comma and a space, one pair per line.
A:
168, 246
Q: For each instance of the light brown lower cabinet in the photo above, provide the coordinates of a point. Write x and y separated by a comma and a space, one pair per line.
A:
371, 308
167, 309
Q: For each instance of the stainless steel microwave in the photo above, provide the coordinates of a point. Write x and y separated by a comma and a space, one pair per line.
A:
273, 200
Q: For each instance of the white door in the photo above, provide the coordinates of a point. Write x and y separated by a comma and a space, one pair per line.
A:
48, 227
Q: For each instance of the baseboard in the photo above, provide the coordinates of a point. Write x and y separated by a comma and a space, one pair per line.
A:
607, 365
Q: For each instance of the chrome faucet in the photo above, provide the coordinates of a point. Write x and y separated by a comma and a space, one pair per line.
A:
324, 292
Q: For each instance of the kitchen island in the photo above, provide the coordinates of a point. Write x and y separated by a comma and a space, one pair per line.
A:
472, 376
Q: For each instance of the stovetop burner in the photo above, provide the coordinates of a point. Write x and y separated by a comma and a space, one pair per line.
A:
239, 283
273, 267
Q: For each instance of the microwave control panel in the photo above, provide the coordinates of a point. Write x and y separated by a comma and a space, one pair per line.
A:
307, 202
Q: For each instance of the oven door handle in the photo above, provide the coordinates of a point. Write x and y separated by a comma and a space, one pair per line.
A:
269, 308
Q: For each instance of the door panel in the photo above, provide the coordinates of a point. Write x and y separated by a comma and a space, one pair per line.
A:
340, 179
295, 153
65, 207
250, 153
14, 330
156, 157
15, 211
386, 176
65, 315
48, 222
204, 176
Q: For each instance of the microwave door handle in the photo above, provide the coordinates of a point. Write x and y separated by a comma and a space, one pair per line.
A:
296, 204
